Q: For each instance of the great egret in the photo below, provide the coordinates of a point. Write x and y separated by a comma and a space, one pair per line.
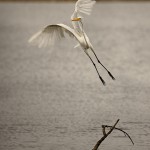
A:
52, 33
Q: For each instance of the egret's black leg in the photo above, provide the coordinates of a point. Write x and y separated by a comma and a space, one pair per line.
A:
95, 68
103, 65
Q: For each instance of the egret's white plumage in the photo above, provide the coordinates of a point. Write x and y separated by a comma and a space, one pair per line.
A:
52, 33
84, 6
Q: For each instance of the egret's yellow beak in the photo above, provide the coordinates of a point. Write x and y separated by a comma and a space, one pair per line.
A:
76, 19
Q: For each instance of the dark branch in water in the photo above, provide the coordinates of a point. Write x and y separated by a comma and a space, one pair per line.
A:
109, 132
104, 135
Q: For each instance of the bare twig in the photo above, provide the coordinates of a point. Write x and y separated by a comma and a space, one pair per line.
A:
106, 134
126, 134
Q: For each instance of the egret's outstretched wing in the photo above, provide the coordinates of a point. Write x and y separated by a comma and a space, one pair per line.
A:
51, 34
84, 6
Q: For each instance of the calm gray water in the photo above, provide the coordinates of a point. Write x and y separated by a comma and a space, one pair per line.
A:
52, 99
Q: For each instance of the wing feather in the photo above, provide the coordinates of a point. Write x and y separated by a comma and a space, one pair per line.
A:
84, 6
51, 34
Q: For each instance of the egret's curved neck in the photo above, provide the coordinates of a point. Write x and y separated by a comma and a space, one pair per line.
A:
81, 26
82, 29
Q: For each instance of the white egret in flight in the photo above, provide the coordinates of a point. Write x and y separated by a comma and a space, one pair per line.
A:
52, 33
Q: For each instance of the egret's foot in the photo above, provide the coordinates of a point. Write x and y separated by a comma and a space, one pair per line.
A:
111, 75
102, 81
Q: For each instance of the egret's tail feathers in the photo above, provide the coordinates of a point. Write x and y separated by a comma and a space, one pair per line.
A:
111, 75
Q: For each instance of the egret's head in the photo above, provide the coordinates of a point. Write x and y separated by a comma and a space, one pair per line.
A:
76, 19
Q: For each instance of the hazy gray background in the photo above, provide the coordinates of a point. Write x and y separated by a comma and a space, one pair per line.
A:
52, 99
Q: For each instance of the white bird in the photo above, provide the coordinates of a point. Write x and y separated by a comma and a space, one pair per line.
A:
52, 33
